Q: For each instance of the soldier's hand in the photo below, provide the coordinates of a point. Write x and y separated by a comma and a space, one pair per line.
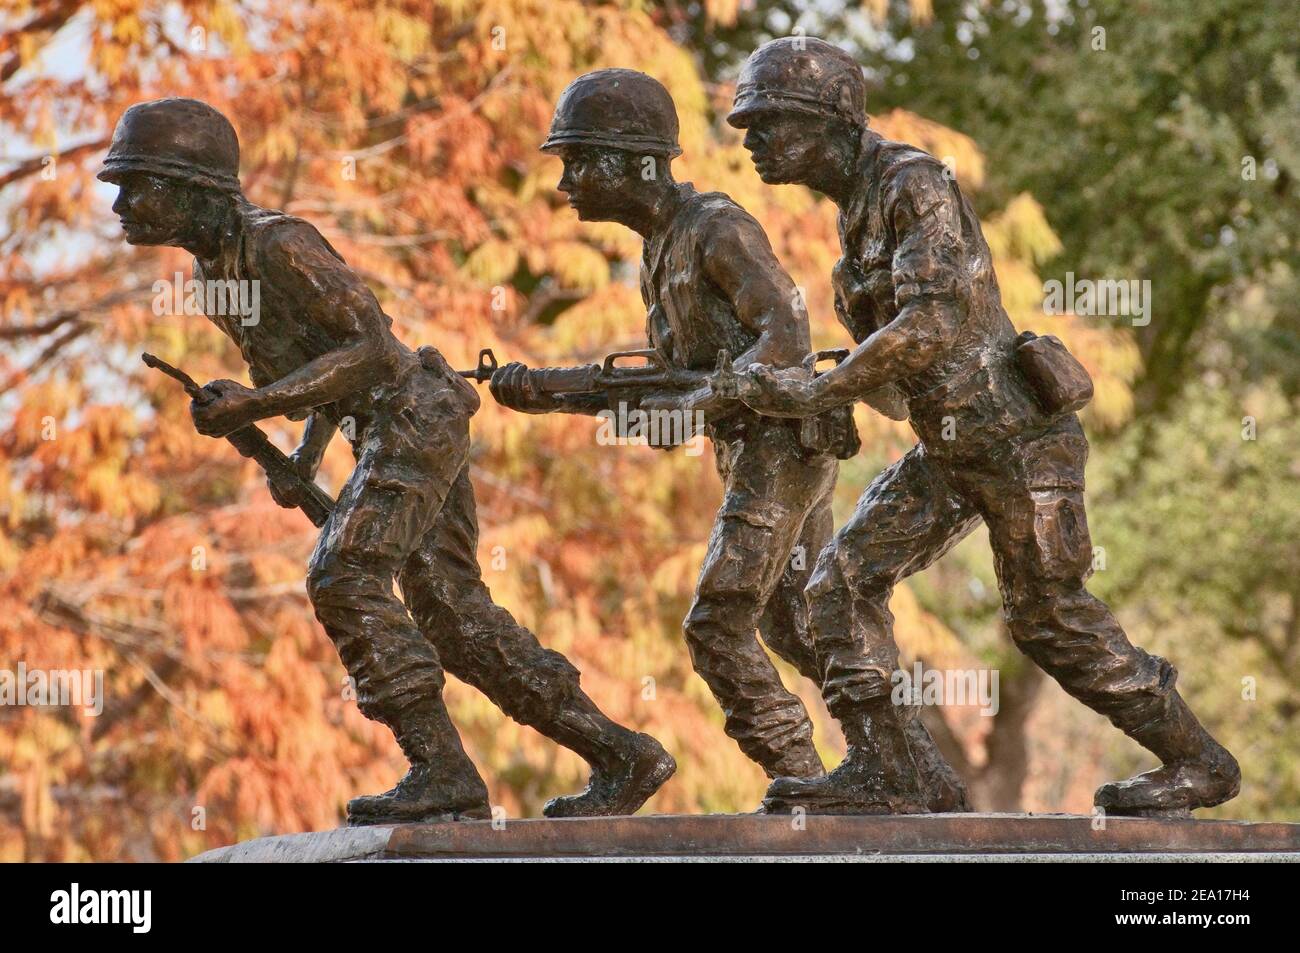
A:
228, 407
778, 392
512, 386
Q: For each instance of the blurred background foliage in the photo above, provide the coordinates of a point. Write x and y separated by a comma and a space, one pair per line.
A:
1163, 148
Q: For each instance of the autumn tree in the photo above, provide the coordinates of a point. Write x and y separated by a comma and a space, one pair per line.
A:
407, 132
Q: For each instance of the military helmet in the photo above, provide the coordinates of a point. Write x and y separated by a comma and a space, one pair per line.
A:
618, 108
178, 138
801, 74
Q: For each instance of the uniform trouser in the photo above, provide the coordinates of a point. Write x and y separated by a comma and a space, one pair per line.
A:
478, 641
407, 462
775, 500
1030, 496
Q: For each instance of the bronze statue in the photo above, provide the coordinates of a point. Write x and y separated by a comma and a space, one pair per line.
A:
712, 286
999, 442
323, 349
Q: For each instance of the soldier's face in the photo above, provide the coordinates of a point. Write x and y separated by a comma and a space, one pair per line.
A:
596, 180
785, 147
153, 209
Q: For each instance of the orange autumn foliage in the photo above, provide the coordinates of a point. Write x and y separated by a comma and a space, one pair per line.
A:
407, 131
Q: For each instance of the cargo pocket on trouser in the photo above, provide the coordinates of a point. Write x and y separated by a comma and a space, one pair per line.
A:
1052, 468
1061, 545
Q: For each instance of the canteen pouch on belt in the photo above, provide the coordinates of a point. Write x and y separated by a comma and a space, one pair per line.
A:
833, 431
1058, 382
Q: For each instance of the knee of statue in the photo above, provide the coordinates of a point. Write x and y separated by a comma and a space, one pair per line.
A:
719, 614
333, 577
834, 584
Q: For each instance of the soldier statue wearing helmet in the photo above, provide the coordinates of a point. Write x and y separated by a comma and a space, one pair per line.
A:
710, 283
323, 349
999, 442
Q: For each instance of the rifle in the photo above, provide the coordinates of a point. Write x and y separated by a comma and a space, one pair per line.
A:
613, 381
251, 442
606, 383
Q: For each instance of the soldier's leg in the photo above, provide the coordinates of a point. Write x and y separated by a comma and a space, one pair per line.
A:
1043, 554
905, 520
785, 627
784, 622
378, 521
743, 562
481, 643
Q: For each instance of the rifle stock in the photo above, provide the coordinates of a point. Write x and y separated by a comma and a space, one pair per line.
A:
251, 442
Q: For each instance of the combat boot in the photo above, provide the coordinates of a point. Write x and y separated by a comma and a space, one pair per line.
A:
877, 776
1197, 770
633, 772
627, 767
442, 783
799, 760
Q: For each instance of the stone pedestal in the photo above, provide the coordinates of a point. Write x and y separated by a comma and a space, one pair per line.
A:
927, 837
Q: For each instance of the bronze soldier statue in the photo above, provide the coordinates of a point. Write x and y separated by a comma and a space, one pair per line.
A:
323, 349
711, 283
999, 442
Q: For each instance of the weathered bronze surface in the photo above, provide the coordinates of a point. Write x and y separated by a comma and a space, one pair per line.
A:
712, 286
728, 353
999, 443
323, 349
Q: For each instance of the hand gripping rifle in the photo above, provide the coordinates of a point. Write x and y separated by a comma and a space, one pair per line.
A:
832, 431
251, 442
607, 383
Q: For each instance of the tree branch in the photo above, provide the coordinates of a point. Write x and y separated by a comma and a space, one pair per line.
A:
33, 165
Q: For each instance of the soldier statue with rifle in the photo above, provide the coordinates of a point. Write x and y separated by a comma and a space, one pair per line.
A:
323, 349
1000, 443
712, 286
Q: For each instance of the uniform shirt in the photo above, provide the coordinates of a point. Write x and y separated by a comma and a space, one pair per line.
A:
913, 248
688, 317
299, 275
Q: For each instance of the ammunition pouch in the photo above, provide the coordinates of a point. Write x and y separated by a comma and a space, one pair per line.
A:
834, 431
1057, 381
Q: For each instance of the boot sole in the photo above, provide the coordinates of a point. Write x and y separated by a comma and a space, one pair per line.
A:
1172, 813
435, 816
836, 806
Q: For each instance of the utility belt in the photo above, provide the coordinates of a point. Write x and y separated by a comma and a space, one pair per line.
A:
1002, 392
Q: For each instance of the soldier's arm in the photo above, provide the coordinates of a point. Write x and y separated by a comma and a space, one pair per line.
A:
740, 261
927, 224
332, 297
316, 437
